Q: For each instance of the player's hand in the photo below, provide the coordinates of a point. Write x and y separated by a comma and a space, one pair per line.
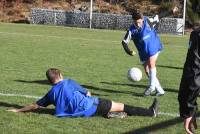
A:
13, 110
133, 53
190, 124
89, 94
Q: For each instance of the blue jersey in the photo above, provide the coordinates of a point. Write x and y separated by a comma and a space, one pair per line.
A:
145, 39
69, 99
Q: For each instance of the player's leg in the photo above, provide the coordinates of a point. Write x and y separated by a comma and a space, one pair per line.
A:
153, 80
153, 74
116, 109
149, 67
110, 109
133, 110
146, 68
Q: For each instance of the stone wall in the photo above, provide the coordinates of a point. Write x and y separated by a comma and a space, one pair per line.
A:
99, 20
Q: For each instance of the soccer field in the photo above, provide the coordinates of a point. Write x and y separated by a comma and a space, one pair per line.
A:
94, 58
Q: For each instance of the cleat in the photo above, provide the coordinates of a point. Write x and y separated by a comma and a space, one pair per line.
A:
160, 91
160, 94
148, 91
154, 108
120, 115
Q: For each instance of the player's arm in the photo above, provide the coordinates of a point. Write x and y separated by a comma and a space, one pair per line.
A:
25, 108
125, 42
43, 102
154, 21
89, 93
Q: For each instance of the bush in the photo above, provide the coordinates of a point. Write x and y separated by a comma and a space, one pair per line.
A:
192, 12
166, 5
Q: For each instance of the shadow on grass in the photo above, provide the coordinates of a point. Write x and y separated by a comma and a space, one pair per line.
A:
138, 86
3, 104
155, 127
44, 82
105, 89
38, 111
181, 68
124, 84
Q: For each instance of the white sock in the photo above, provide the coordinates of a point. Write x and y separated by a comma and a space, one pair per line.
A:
152, 78
155, 82
158, 87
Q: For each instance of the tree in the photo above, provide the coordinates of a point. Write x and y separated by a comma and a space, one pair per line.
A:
193, 11
2, 4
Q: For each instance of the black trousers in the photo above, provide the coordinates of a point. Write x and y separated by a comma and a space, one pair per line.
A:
190, 82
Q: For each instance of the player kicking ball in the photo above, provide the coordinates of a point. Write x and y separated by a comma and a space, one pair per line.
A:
144, 35
72, 100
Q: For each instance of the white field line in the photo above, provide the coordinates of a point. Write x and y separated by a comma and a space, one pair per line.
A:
19, 95
38, 97
168, 114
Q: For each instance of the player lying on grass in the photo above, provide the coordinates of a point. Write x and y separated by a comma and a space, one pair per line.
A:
72, 100
143, 33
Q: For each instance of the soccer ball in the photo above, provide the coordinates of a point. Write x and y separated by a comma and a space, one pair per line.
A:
134, 74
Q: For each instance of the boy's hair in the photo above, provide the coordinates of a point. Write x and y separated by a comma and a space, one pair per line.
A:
136, 15
53, 74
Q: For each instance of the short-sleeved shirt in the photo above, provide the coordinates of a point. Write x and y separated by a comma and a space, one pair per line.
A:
70, 99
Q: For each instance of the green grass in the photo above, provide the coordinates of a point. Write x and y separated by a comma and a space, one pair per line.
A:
94, 58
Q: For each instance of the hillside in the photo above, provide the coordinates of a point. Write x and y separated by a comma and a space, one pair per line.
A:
19, 10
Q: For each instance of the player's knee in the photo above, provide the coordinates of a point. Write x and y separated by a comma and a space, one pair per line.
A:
117, 107
152, 64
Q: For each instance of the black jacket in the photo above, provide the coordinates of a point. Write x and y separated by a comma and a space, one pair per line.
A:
190, 83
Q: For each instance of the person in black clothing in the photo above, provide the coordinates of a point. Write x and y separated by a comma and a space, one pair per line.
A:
190, 83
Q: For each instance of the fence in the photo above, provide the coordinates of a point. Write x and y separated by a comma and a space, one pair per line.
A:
99, 20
